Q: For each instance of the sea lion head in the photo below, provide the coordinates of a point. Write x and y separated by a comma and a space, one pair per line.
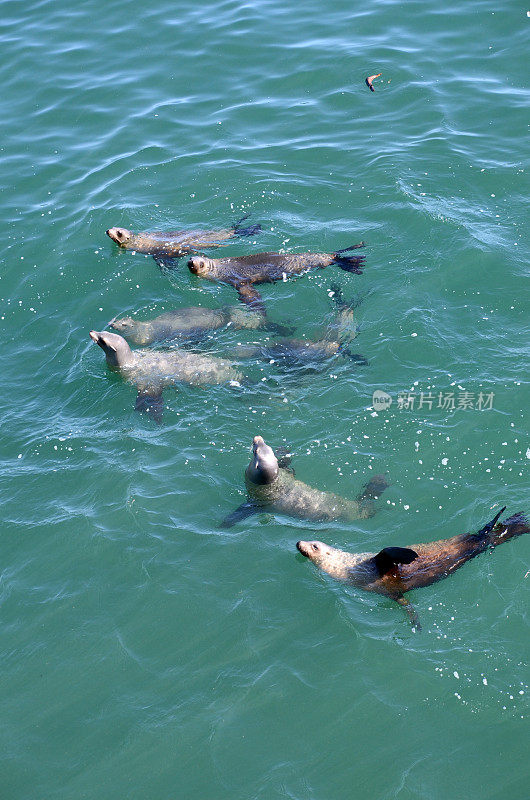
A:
117, 351
263, 467
124, 325
134, 331
337, 563
199, 265
121, 236
317, 552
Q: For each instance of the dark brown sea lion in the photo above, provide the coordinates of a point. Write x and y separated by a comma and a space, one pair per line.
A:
396, 570
244, 272
174, 244
191, 323
272, 486
151, 371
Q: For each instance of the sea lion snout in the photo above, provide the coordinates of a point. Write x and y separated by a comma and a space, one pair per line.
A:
309, 549
198, 265
114, 346
122, 324
119, 235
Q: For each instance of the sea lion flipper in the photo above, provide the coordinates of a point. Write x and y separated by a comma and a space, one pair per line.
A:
246, 509
337, 296
284, 456
250, 231
251, 297
411, 611
389, 557
496, 532
349, 263
356, 357
166, 262
489, 527
280, 330
370, 492
150, 401
374, 488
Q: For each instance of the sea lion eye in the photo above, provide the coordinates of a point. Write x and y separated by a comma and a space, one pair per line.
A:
314, 546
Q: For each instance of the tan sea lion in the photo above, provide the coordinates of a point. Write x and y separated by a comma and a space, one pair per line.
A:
151, 371
272, 486
174, 244
244, 272
193, 322
396, 570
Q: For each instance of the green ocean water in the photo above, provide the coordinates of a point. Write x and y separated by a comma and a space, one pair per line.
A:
146, 653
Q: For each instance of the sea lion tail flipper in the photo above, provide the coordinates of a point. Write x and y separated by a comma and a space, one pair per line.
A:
166, 262
349, 263
411, 612
356, 357
250, 231
389, 557
251, 297
246, 509
150, 401
515, 525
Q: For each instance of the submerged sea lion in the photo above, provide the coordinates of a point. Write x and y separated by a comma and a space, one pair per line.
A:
310, 353
174, 244
191, 323
151, 371
244, 272
304, 352
396, 570
272, 486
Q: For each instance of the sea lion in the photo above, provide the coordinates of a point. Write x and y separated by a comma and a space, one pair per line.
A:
244, 272
190, 323
174, 244
310, 353
151, 371
272, 486
303, 352
396, 570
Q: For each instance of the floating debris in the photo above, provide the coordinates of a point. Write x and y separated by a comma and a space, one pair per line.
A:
372, 78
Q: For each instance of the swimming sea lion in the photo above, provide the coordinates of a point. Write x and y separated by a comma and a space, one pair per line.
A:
396, 570
289, 351
310, 353
188, 323
151, 371
244, 272
174, 244
272, 486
